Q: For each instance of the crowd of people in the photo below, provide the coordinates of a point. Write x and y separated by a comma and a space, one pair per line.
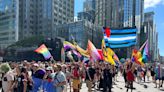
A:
37, 76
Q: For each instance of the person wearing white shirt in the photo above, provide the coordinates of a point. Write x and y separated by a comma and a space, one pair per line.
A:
162, 74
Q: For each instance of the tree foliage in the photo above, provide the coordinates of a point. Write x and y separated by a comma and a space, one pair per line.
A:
28, 42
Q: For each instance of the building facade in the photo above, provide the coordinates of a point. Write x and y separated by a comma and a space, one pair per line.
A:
38, 16
119, 13
88, 12
32, 17
80, 31
89, 5
162, 59
151, 34
9, 17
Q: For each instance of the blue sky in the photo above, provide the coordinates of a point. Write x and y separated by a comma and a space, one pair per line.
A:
150, 5
78, 6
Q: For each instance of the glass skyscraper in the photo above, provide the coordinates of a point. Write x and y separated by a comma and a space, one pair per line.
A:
151, 35
39, 16
119, 13
89, 5
20, 19
88, 12
133, 13
8, 22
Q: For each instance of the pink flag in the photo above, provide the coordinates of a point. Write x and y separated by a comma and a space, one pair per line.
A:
94, 55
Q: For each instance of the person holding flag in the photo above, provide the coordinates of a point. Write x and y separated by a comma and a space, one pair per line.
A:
107, 77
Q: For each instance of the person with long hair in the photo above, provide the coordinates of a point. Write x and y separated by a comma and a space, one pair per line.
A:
76, 78
68, 76
107, 76
124, 75
8, 78
59, 79
20, 84
90, 76
130, 76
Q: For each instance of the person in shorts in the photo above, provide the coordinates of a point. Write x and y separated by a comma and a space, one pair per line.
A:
76, 78
59, 79
152, 73
8, 80
157, 75
162, 74
90, 76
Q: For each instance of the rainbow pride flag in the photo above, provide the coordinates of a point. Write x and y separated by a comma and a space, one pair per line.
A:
139, 57
44, 51
145, 55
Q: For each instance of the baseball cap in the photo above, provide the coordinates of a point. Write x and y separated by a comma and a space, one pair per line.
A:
49, 68
35, 64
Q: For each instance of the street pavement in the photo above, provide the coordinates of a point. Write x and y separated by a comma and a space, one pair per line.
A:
119, 87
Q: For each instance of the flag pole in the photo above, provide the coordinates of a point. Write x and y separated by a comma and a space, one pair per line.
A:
143, 45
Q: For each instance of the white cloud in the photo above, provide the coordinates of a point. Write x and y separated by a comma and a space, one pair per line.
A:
152, 3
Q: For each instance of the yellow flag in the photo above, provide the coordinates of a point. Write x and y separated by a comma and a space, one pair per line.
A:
107, 54
82, 51
75, 46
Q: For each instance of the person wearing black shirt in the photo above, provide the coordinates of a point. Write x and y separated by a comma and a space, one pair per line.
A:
144, 70
90, 73
107, 76
20, 83
152, 74
124, 75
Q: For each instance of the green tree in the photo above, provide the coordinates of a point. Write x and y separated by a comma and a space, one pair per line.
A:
28, 42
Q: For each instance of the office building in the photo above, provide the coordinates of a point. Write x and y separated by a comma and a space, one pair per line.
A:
151, 34
162, 59
32, 17
80, 31
133, 13
89, 5
88, 12
9, 26
119, 13
38, 16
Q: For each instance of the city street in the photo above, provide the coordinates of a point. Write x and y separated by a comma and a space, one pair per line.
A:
45, 45
119, 87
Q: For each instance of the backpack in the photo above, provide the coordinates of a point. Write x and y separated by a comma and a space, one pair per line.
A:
56, 78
